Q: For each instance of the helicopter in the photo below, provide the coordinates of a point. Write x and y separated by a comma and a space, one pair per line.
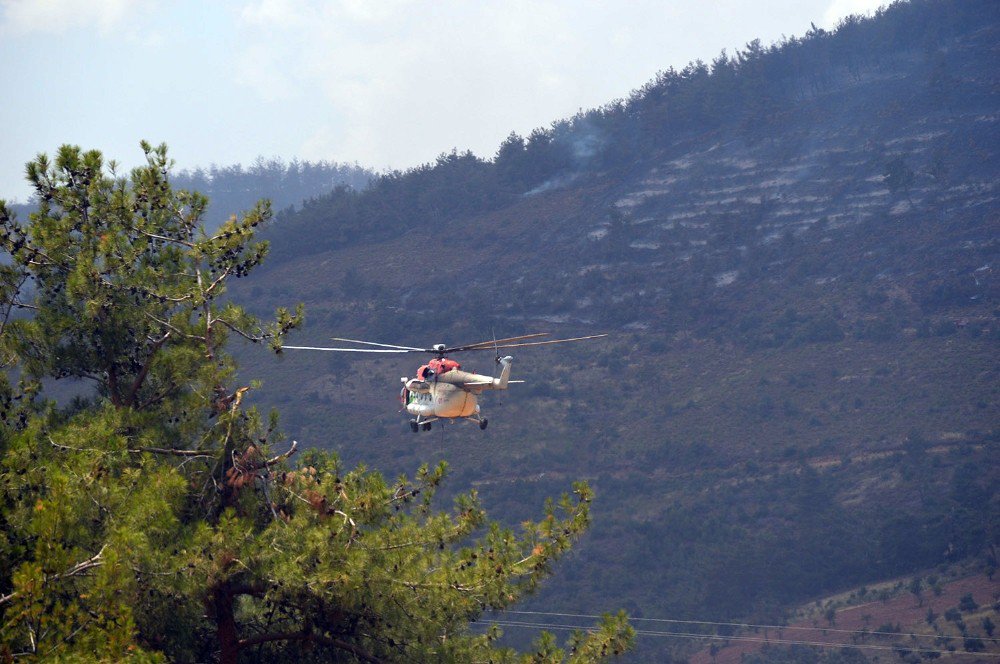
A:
441, 390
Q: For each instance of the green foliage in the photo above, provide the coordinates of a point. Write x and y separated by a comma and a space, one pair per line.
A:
128, 289
916, 587
157, 520
966, 603
973, 644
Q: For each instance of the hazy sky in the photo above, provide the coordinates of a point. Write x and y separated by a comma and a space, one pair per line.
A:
385, 83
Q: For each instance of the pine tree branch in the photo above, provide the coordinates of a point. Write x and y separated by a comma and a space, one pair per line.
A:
86, 376
157, 397
166, 239
69, 637
313, 637
403, 494
225, 273
163, 298
437, 586
153, 450
170, 451
281, 457
94, 561
277, 636
174, 328
15, 303
144, 371
248, 337
448, 536
343, 645
36, 252
74, 449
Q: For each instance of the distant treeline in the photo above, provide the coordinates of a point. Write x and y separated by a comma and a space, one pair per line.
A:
749, 89
235, 188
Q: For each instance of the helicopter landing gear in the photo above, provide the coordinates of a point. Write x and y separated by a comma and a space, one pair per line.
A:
481, 421
420, 424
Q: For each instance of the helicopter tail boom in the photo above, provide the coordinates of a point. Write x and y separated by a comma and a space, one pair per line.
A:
478, 382
505, 362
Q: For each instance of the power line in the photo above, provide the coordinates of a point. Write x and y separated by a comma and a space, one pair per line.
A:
855, 632
750, 639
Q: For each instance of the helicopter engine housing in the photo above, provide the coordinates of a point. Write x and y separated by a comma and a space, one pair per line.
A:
418, 386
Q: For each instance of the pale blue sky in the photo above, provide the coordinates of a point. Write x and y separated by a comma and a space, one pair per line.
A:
390, 83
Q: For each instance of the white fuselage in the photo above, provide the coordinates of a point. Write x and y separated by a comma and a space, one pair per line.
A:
442, 400
451, 394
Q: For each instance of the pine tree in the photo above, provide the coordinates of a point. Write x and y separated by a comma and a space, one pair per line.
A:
158, 518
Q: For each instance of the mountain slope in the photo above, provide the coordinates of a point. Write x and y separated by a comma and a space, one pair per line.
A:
794, 250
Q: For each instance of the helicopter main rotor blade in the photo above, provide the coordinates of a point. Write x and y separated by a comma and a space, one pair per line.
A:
353, 350
552, 341
486, 345
372, 343
483, 345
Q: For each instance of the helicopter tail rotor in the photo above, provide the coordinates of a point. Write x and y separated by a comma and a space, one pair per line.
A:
496, 350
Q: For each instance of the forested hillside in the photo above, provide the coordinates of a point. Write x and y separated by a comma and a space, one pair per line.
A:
233, 189
794, 248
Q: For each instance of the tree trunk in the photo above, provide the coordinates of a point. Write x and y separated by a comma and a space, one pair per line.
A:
221, 610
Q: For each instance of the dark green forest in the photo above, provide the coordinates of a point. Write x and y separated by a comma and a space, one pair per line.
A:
231, 189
